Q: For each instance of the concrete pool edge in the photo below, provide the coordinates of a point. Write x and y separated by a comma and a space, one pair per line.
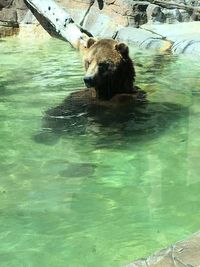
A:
183, 253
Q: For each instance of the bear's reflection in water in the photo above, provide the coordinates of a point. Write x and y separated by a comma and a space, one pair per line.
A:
141, 121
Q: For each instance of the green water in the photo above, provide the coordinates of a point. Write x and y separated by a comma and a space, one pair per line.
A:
88, 194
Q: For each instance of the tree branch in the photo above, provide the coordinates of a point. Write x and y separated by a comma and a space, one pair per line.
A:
57, 22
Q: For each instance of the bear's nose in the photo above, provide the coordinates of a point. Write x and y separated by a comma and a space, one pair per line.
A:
89, 81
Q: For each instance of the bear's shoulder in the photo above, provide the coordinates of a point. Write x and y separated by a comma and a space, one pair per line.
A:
88, 98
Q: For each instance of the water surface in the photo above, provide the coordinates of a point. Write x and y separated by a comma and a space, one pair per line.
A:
81, 193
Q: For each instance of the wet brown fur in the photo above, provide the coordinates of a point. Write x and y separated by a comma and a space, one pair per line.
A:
120, 75
114, 95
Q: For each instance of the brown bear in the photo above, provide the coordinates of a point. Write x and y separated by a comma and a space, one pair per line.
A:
109, 69
110, 75
111, 95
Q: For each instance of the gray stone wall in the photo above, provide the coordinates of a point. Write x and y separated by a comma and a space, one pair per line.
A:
135, 13
122, 12
12, 11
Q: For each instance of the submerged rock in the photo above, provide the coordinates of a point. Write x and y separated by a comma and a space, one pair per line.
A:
183, 253
79, 170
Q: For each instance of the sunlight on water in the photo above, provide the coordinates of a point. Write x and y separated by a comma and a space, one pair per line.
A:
82, 193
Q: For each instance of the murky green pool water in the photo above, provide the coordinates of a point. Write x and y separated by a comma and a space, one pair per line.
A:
90, 195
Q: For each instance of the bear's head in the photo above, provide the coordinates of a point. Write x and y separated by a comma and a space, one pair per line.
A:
109, 69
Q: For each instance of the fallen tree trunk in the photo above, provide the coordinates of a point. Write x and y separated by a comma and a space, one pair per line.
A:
57, 22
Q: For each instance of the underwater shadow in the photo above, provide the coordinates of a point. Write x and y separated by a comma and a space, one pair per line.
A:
108, 126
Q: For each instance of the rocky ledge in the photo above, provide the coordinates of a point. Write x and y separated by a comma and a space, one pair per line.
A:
184, 253
162, 25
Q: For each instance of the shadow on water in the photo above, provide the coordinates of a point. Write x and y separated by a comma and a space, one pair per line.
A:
108, 126
151, 69
3, 90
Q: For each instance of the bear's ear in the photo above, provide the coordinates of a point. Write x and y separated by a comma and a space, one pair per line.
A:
90, 42
122, 48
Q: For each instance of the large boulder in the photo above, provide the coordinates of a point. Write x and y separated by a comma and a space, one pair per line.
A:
143, 38
138, 14
5, 3
155, 14
184, 36
12, 10
120, 12
9, 15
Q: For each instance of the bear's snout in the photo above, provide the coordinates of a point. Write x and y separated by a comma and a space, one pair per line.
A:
89, 81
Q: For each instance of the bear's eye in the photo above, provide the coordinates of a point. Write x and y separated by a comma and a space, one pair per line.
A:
103, 66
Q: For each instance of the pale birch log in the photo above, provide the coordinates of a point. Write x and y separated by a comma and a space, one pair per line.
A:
58, 22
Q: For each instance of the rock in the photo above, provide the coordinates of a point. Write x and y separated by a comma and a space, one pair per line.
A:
8, 29
185, 37
77, 10
143, 38
190, 47
183, 253
121, 12
33, 32
8, 14
120, 18
172, 15
5, 3
174, 32
192, 2
19, 4
185, 15
14, 11
138, 15
21, 13
155, 14
29, 18
9, 24
95, 20
100, 24
109, 2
